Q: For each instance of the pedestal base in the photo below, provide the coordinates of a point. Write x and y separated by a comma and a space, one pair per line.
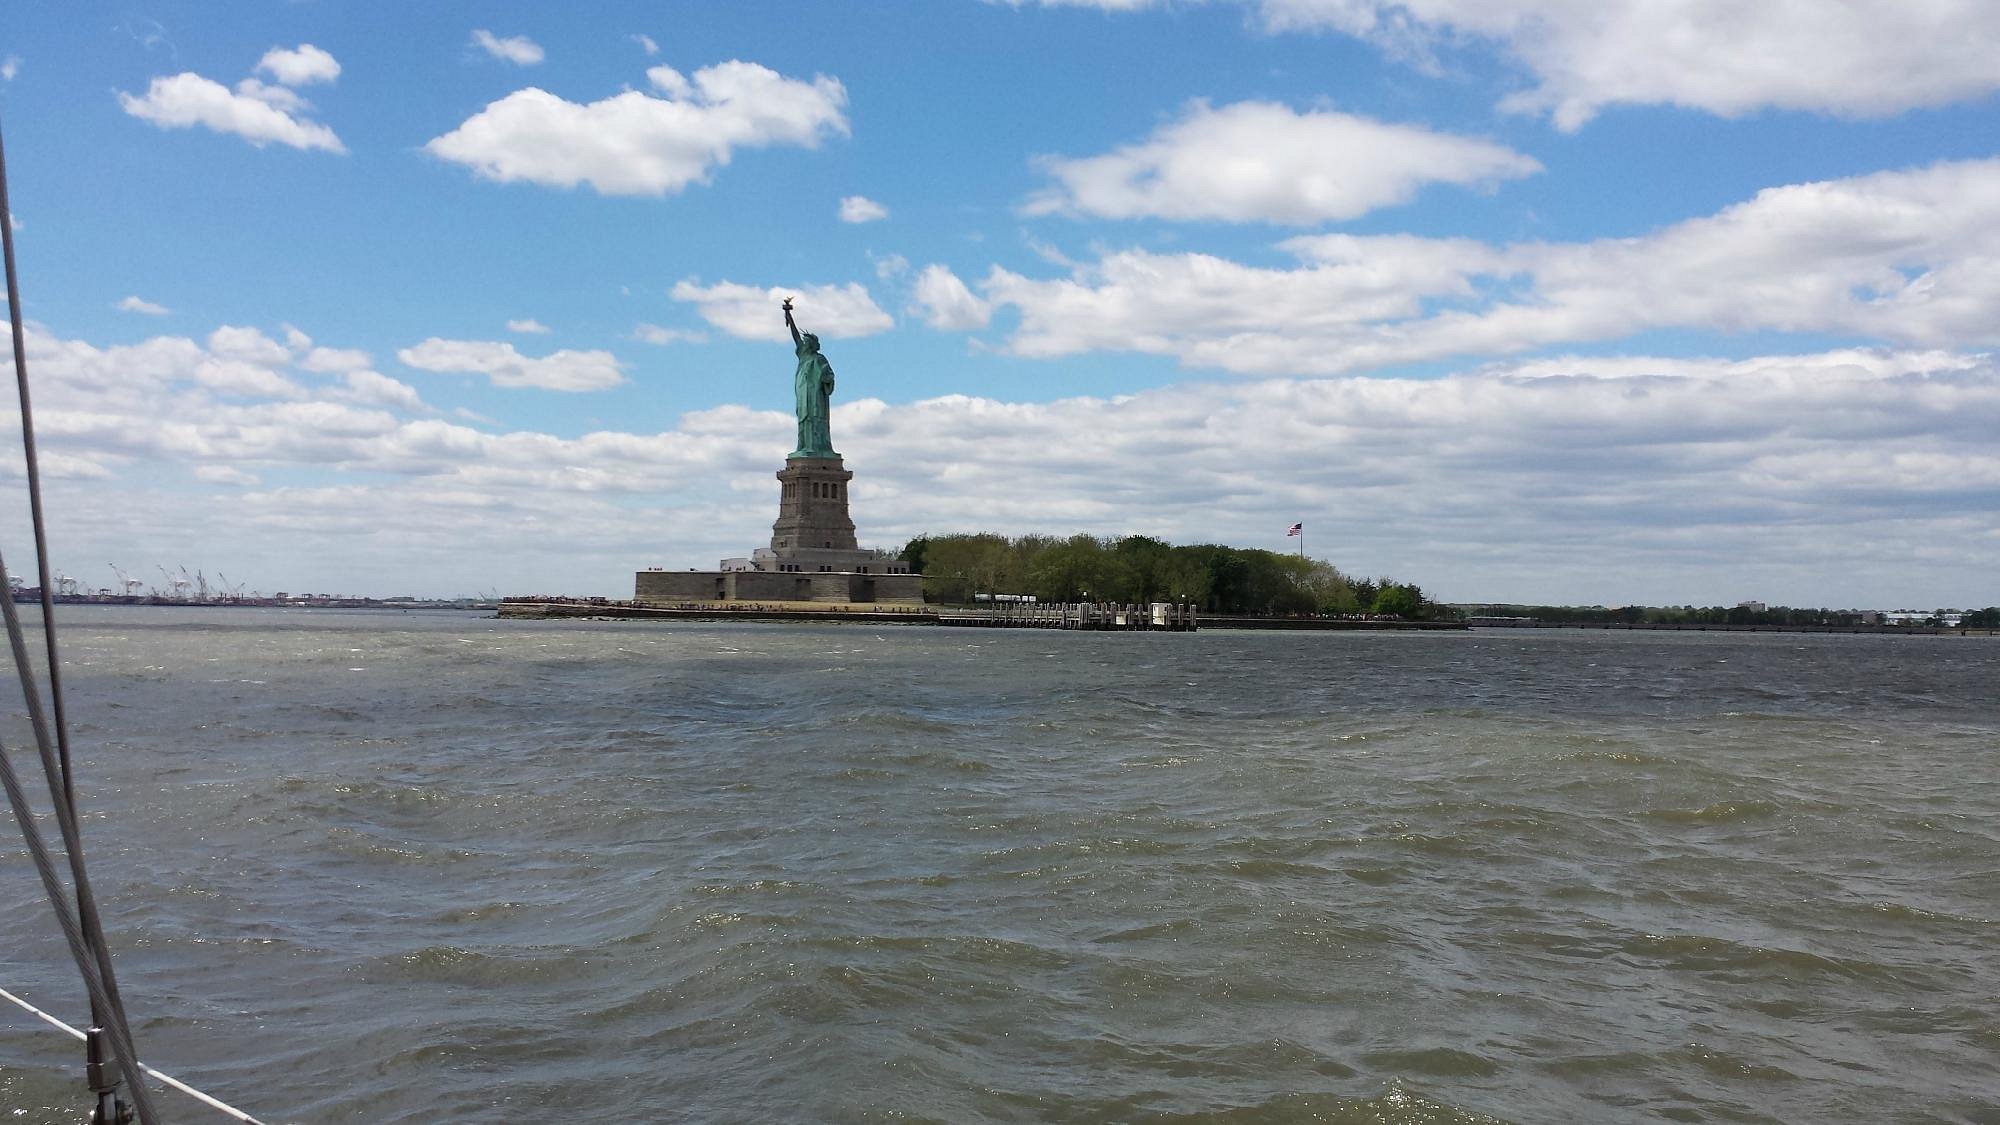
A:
812, 508
669, 587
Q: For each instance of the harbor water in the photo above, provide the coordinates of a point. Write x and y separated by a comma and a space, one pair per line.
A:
382, 867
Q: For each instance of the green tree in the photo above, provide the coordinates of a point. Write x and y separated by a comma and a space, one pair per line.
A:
1183, 577
1226, 573
1329, 589
1148, 561
1397, 599
958, 566
1283, 583
1365, 590
1080, 568
1140, 568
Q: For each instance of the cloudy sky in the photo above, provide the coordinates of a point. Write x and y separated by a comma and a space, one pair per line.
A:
1552, 300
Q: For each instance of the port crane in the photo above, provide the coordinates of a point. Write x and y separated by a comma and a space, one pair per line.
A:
128, 586
66, 584
177, 583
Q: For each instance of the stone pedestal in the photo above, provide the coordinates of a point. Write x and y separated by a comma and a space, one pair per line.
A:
813, 555
812, 511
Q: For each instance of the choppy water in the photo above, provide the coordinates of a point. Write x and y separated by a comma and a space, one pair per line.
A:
415, 868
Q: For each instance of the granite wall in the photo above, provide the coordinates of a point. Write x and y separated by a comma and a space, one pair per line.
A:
776, 586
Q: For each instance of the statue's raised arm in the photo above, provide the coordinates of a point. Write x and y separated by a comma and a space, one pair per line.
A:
812, 386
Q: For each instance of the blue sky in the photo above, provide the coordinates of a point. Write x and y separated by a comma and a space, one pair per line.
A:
1562, 301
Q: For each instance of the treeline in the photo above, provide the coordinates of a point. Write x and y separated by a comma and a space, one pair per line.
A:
1231, 580
1707, 615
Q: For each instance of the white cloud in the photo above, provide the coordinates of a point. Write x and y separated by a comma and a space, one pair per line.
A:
245, 379
891, 265
645, 43
9, 68
530, 326
517, 49
303, 65
1051, 254
141, 305
247, 345
1871, 58
636, 144
224, 474
281, 98
565, 370
670, 82
61, 467
1263, 162
654, 334
1910, 257
1861, 58
1571, 478
373, 388
335, 360
946, 303
185, 100
751, 313
158, 395
861, 209
1657, 479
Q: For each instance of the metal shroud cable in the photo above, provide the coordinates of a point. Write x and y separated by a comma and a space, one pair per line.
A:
85, 930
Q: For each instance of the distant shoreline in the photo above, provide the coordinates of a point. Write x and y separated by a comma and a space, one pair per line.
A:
878, 614
1686, 627
31, 597
862, 614
584, 609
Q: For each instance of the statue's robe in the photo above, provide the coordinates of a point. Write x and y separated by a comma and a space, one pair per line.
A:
812, 386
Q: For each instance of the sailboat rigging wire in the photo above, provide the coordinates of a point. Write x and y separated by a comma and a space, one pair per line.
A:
38, 852
87, 943
167, 1079
35, 492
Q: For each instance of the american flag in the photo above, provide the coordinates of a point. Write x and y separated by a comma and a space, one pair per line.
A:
1296, 529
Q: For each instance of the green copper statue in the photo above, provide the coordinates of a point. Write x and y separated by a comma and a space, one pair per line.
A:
812, 385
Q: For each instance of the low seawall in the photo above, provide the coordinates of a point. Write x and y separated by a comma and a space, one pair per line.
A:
1093, 618
1328, 624
859, 613
1104, 619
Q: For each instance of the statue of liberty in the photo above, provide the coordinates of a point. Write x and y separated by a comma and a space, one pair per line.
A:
812, 386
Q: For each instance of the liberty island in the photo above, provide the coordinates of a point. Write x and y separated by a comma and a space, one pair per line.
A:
813, 556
